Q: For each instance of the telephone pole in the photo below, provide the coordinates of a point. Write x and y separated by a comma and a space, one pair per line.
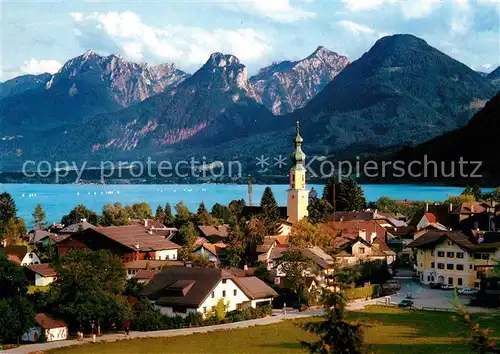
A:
250, 189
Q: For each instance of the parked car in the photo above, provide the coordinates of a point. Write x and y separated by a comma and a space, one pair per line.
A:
435, 285
467, 291
391, 285
405, 303
447, 287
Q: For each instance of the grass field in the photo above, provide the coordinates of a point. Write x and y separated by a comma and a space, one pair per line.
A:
387, 330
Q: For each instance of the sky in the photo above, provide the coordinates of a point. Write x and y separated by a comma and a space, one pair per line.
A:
40, 36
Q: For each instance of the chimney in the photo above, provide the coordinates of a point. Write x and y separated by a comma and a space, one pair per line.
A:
373, 236
4, 243
245, 267
341, 218
426, 207
362, 234
83, 220
145, 222
451, 207
472, 208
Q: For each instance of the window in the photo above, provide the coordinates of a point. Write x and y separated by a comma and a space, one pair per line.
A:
223, 293
428, 278
433, 265
459, 281
432, 253
204, 309
449, 266
450, 281
159, 258
470, 266
234, 292
421, 277
460, 255
224, 281
31, 255
213, 294
440, 254
460, 267
477, 255
485, 256
421, 264
440, 265
178, 309
450, 254
361, 250
432, 278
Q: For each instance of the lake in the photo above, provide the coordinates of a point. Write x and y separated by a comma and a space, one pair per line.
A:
58, 199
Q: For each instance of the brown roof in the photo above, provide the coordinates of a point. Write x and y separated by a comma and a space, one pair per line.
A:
133, 235
471, 208
145, 274
215, 248
255, 288
151, 223
433, 237
266, 245
16, 253
151, 264
350, 216
58, 238
209, 230
238, 272
45, 269
166, 289
47, 322
320, 257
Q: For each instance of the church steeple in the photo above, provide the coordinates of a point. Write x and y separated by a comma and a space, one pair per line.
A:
298, 157
298, 195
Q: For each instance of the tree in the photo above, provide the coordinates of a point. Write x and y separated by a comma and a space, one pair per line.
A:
16, 313
254, 236
160, 214
304, 235
114, 215
203, 217
169, 217
13, 229
236, 207
182, 214
139, 211
8, 208
38, 217
476, 192
345, 195
313, 195
294, 265
199, 261
90, 288
79, 213
187, 237
386, 205
462, 198
222, 213
270, 211
319, 210
337, 335
235, 249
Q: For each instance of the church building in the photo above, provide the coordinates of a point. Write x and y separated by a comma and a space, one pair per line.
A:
298, 195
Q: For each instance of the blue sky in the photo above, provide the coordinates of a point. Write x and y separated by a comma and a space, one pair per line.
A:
39, 36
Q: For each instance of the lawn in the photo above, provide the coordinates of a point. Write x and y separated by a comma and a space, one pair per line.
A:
387, 330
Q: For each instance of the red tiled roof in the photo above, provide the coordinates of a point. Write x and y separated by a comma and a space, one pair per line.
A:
431, 217
47, 322
16, 253
45, 269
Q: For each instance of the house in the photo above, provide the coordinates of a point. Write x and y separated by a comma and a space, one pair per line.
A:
21, 254
131, 242
134, 267
214, 233
437, 215
455, 258
144, 276
476, 215
184, 290
266, 252
41, 274
54, 329
156, 227
37, 235
77, 227
213, 251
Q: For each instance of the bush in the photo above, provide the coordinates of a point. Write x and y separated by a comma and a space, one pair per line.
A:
249, 313
366, 292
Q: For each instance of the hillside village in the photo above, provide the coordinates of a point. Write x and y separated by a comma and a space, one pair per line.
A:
195, 270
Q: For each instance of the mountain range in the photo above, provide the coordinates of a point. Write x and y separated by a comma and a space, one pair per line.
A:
402, 92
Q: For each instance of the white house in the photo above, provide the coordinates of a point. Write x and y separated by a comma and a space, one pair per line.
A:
22, 255
184, 290
54, 329
41, 274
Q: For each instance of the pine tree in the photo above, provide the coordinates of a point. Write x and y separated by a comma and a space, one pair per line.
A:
8, 208
202, 216
345, 195
160, 214
38, 217
169, 217
313, 196
270, 210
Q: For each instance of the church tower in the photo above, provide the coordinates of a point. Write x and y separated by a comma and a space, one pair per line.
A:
298, 195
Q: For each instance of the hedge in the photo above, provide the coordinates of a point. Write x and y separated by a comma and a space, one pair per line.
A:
366, 292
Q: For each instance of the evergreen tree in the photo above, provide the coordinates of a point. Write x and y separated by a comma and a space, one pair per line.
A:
236, 207
222, 213
476, 192
169, 217
160, 214
38, 217
345, 195
203, 217
336, 334
270, 211
313, 196
318, 211
8, 208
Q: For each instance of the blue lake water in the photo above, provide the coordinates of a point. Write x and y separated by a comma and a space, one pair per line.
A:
58, 200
